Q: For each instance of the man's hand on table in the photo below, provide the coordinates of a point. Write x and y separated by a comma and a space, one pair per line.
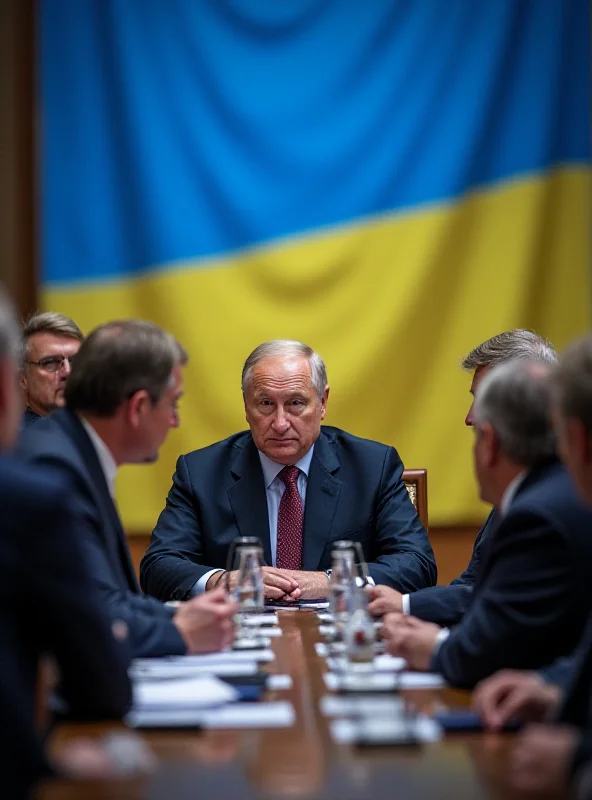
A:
384, 600
410, 638
512, 693
277, 583
280, 584
206, 623
542, 758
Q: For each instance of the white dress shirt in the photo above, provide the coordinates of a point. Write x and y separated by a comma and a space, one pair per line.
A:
274, 489
106, 460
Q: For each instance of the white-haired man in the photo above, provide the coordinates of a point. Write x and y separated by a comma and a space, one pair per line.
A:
295, 485
532, 596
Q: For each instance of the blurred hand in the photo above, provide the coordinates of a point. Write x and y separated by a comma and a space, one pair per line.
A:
278, 584
410, 638
542, 757
384, 600
206, 623
511, 693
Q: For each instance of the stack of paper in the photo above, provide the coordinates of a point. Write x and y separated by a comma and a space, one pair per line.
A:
182, 693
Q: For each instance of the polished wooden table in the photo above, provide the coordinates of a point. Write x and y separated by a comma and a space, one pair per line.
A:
303, 761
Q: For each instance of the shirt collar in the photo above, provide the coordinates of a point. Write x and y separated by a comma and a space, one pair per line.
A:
271, 469
106, 460
510, 493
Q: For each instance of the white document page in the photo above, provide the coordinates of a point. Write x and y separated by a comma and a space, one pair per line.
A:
202, 692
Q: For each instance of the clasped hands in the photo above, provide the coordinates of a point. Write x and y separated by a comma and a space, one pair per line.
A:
287, 585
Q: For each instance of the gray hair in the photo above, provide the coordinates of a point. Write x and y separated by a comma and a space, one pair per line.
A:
572, 382
47, 322
514, 344
117, 360
287, 347
10, 334
515, 399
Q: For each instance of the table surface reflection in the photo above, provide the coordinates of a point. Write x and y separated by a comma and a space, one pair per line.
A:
303, 761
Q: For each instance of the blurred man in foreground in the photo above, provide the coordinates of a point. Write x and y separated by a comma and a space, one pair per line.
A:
121, 402
446, 605
548, 757
532, 595
47, 604
49, 343
292, 483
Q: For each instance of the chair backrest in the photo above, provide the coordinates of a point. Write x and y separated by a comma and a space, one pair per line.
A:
416, 482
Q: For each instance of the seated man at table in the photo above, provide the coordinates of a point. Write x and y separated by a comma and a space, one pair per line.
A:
46, 603
446, 605
121, 402
549, 756
294, 484
532, 594
50, 342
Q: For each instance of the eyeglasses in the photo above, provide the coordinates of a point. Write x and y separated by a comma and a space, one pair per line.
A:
52, 363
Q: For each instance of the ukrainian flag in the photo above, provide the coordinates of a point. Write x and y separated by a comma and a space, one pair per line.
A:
390, 181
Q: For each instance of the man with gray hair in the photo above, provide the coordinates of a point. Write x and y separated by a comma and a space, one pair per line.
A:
121, 402
293, 484
532, 595
445, 605
49, 343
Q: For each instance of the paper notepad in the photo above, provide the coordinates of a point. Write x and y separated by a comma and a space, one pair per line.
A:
152, 669
184, 693
236, 715
227, 656
382, 663
384, 681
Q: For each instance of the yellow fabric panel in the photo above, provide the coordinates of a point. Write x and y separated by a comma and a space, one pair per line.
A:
392, 304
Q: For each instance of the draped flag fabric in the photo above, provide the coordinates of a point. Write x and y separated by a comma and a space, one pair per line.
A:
391, 182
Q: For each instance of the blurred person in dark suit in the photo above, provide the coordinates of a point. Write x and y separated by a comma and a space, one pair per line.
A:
121, 402
445, 605
292, 483
549, 757
46, 603
49, 343
532, 594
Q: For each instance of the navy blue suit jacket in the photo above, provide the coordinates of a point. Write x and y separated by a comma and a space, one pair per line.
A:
61, 443
354, 491
532, 596
48, 606
446, 605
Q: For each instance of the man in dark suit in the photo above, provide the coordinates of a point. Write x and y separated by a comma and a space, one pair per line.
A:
549, 757
46, 603
49, 343
532, 595
121, 401
295, 485
446, 605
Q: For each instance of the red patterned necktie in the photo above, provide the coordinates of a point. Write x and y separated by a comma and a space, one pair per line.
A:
289, 524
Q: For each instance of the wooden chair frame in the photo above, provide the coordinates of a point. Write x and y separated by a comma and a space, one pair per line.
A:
416, 482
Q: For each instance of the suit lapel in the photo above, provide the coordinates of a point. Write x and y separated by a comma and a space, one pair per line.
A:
75, 430
248, 499
322, 497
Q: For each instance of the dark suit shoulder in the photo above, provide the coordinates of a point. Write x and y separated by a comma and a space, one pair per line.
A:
224, 449
345, 440
552, 497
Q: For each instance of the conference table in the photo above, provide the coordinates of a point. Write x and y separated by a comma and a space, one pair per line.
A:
303, 761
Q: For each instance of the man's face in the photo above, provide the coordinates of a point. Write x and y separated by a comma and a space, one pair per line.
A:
480, 373
156, 419
43, 384
575, 450
283, 409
